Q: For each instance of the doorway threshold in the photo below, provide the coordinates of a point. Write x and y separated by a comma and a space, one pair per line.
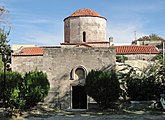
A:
77, 110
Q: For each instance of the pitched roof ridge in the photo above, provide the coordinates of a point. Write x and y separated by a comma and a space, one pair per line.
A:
136, 49
134, 45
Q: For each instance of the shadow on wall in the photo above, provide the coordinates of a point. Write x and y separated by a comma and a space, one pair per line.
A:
56, 100
64, 77
61, 94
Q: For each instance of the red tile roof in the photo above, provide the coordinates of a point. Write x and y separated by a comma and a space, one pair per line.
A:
132, 49
85, 12
30, 51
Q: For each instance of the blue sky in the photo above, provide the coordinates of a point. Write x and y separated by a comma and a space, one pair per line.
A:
40, 22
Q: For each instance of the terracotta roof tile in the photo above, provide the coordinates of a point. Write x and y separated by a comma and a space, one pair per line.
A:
30, 51
132, 49
85, 12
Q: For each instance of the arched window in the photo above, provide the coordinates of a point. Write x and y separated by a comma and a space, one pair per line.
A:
84, 36
78, 73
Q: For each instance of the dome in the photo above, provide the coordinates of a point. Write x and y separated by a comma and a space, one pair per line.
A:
84, 26
85, 12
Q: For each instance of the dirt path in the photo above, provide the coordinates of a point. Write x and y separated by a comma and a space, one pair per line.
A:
50, 114
138, 115
103, 117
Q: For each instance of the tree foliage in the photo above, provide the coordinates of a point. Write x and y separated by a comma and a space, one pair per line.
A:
121, 58
24, 92
145, 84
36, 87
159, 58
4, 46
103, 87
5, 49
152, 37
12, 90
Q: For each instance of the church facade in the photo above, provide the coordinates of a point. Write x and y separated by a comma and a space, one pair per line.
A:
84, 48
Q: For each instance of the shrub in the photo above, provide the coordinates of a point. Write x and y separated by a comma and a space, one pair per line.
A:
121, 58
145, 85
103, 87
12, 88
23, 93
141, 88
36, 87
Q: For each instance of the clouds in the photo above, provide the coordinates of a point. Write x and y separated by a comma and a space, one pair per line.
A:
36, 29
41, 38
41, 23
143, 17
32, 32
124, 33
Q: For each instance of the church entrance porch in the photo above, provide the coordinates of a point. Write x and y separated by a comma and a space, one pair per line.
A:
79, 97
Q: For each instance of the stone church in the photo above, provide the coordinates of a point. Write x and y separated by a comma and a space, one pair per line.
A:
84, 48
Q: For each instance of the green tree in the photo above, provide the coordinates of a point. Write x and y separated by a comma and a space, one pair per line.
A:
103, 87
4, 46
12, 91
24, 92
35, 88
121, 58
5, 49
145, 84
152, 37
159, 58
5, 53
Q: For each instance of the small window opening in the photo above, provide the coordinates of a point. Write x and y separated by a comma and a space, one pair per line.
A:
84, 36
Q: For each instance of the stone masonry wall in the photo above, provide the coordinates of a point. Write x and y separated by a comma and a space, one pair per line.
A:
140, 56
24, 64
95, 28
59, 62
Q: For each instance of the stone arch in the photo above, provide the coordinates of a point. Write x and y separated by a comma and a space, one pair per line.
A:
78, 73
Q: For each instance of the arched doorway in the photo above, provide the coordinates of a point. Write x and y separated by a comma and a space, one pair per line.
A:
79, 96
